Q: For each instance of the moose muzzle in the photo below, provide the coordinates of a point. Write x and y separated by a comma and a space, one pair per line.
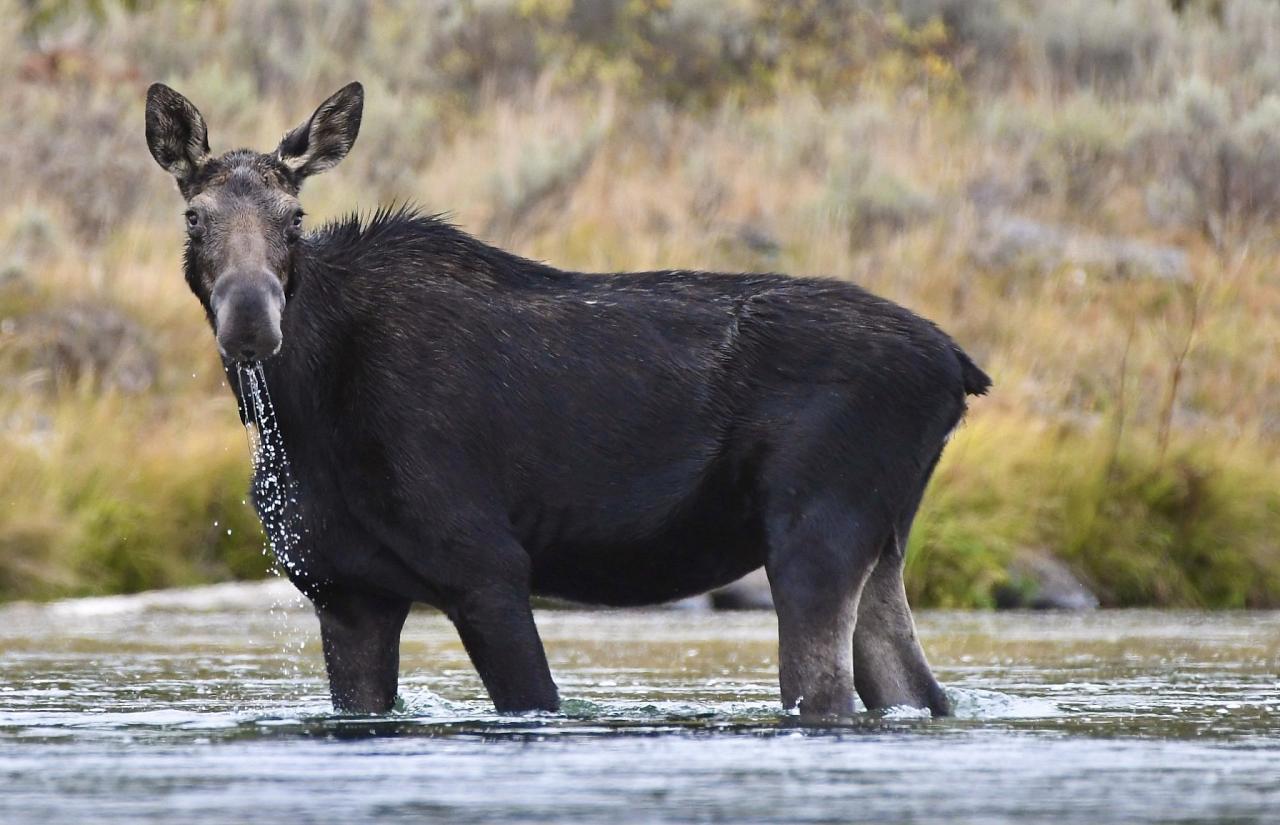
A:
247, 306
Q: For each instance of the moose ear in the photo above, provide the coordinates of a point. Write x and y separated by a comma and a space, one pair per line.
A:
176, 133
323, 139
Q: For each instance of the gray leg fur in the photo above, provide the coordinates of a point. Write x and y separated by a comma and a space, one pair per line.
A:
816, 571
889, 666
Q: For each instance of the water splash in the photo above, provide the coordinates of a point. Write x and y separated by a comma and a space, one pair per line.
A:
274, 487
275, 493
978, 703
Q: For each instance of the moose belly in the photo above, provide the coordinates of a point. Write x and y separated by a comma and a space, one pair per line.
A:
704, 550
638, 549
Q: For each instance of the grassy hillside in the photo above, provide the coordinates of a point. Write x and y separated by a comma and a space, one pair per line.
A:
1085, 194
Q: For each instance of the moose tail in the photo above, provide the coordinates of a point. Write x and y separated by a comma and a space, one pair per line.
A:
976, 382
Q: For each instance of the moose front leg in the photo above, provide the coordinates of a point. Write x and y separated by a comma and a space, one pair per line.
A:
497, 629
361, 636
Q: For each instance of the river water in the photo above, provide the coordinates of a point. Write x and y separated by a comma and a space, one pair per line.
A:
207, 706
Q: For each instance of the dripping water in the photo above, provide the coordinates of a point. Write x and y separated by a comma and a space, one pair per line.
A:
274, 488
275, 494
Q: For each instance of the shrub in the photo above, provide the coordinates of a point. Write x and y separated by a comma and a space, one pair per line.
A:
80, 345
983, 37
869, 200
1085, 145
1211, 168
1235, 42
85, 160
545, 164
1113, 48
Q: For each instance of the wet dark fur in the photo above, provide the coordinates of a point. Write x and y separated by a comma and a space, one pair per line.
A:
616, 426
468, 428
461, 418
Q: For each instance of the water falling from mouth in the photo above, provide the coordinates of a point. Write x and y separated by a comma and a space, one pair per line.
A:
275, 491
275, 496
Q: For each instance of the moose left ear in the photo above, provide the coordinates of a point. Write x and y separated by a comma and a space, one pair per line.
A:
323, 139
176, 134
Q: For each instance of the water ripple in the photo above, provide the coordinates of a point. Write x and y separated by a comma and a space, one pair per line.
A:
204, 707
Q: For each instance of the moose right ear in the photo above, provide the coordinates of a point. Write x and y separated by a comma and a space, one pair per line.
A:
176, 133
323, 139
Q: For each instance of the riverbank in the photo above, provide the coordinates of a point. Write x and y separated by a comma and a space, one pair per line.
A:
1086, 199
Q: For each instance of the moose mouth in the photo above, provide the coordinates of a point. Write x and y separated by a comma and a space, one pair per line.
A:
247, 308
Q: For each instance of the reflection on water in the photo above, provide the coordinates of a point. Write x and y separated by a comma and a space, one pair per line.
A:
204, 707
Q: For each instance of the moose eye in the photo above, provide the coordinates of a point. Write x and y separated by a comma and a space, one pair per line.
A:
294, 232
193, 220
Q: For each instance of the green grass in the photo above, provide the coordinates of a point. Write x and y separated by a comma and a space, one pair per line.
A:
1195, 527
113, 498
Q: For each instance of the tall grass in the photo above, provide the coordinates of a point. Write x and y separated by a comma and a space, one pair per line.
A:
1084, 194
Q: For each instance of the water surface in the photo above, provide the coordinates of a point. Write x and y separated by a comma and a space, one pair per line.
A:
208, 706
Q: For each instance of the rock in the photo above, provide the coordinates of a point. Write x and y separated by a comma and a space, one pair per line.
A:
989, 193
751, 592
1006, 241
692, 604
1039, 581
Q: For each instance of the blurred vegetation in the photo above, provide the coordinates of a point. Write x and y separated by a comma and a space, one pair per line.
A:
1086, 194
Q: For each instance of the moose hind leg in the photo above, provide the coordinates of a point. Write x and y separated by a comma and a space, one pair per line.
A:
816, 570
889, 665
361, 637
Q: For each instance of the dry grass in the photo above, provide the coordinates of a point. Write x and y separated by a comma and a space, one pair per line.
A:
890, 146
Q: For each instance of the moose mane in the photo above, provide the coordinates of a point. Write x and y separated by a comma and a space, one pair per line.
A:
400, 237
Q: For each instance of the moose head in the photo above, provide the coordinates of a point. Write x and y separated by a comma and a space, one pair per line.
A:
243, 218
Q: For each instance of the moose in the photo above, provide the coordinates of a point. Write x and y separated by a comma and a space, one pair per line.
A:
469, 428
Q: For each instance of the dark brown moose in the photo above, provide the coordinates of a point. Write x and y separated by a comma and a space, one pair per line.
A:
468, 428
